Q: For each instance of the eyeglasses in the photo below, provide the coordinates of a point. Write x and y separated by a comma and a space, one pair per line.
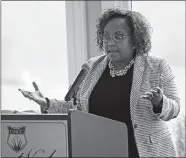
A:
117, 37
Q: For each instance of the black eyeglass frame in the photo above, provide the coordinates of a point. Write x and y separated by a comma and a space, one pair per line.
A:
111, 37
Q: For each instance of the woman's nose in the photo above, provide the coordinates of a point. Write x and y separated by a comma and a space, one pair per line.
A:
111, 42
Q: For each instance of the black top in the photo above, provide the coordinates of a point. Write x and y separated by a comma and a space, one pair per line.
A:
110, 98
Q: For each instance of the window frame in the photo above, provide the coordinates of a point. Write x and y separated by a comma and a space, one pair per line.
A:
76, 37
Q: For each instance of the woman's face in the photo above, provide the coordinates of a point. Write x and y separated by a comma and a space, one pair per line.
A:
118, 47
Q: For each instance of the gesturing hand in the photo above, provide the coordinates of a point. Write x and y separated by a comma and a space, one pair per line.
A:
35, 96
154, 95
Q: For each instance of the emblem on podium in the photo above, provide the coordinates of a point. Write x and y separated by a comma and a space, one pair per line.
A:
17, 138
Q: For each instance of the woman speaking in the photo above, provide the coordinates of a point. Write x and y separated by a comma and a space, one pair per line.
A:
126, 84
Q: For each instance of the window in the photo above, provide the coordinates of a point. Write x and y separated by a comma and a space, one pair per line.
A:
34, 48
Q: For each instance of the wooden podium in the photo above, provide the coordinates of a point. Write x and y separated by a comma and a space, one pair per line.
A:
76, 134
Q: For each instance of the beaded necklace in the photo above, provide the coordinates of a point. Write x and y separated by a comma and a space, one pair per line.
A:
114, 72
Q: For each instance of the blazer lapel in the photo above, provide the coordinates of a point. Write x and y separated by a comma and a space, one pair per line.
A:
93, 77
139, 66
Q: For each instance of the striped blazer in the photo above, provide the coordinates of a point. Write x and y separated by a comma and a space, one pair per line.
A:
151, 133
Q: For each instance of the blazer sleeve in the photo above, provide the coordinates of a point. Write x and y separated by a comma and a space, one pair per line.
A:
61, 106
171, 100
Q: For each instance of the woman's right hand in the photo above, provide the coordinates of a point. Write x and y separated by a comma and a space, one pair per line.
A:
36, 96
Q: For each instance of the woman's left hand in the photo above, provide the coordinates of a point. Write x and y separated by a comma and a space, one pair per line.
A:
155, 96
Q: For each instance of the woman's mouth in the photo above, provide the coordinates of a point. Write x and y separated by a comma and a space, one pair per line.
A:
112, 52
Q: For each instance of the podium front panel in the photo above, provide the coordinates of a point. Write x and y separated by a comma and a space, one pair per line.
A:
34, 136
95, 136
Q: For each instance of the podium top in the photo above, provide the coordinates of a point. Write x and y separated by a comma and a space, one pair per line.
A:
34, 117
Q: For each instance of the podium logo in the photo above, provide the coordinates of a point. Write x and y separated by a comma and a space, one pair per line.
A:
17, 138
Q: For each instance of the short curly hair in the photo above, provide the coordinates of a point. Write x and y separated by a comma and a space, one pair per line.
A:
140, 28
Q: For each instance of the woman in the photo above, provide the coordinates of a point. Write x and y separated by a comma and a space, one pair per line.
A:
127, 85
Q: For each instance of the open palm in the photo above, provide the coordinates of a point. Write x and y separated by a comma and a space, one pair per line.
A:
36, 96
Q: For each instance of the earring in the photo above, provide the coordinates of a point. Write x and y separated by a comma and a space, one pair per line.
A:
133, 47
